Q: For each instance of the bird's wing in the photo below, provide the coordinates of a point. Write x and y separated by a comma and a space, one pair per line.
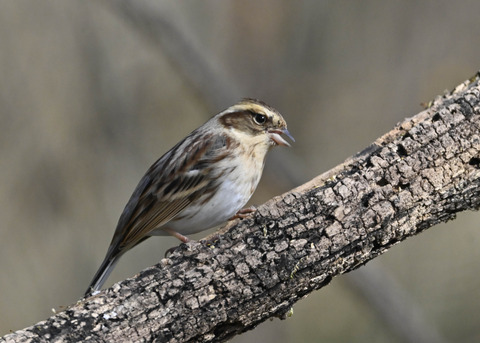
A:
171, 184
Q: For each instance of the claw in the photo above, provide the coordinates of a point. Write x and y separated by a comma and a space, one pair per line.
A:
175, 234
244, 212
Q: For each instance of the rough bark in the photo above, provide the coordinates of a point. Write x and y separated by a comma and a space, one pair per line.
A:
419, 174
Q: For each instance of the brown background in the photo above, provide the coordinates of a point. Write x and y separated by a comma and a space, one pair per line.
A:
88, 100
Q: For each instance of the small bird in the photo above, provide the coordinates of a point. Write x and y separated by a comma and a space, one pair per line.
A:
201, 182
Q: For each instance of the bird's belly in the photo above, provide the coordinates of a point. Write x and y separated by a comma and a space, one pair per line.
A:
229, 198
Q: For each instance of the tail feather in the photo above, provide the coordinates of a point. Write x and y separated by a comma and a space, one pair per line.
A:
102, 273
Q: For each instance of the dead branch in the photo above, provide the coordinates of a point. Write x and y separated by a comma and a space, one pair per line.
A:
419, 174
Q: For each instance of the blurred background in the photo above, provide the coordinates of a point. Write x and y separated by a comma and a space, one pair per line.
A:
92, 93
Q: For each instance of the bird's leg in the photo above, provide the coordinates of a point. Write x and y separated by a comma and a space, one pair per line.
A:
175, 234
244, 212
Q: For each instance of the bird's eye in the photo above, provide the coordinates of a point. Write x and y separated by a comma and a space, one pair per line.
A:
259, 118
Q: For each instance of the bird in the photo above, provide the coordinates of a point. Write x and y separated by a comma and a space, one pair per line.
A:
203, 181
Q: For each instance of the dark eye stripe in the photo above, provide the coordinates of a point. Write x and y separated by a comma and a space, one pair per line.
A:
245, 121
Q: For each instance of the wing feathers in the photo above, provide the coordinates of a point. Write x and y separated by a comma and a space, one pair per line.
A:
169, 187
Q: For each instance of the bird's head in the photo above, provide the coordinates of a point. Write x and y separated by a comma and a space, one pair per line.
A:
256, 122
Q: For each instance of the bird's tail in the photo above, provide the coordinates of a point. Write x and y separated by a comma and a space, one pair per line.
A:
103, 272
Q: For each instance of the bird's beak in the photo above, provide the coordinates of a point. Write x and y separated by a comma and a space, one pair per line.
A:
275, 135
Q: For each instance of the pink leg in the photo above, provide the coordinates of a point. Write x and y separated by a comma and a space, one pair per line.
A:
175, 234
181, 237
244, 212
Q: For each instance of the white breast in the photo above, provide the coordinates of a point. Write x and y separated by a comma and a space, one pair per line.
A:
229, 198
233, 193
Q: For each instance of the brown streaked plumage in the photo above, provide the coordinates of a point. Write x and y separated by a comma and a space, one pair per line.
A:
201, 182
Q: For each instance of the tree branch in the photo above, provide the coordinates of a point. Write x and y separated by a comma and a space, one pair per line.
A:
419, 174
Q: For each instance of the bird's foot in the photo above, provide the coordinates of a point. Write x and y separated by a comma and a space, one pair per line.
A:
175, 234
244, 212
